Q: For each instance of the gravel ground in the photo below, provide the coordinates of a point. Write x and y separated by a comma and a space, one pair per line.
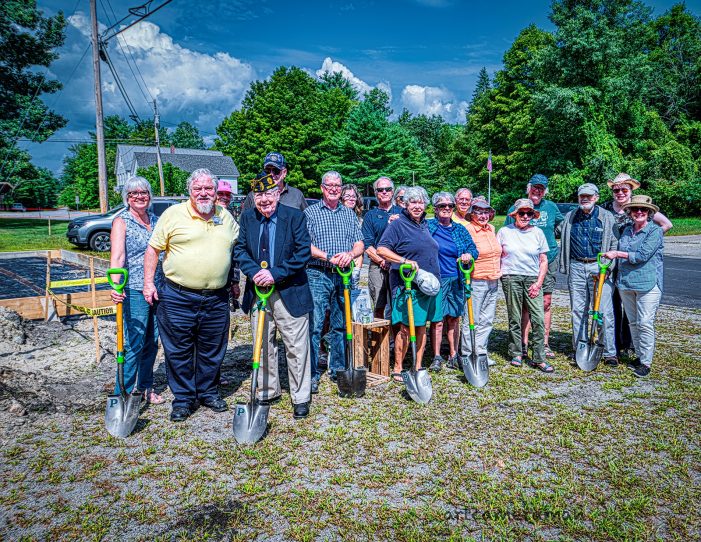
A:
568, 456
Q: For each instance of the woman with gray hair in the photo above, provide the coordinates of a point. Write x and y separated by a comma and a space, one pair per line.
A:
408, 241
454, 244
131, 230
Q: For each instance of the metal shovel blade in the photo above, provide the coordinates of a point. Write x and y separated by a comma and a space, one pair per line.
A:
418, 385
476, 370
122, 414
352, 383
589, 352
250, 422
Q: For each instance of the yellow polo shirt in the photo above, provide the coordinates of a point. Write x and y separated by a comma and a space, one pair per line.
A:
197, 251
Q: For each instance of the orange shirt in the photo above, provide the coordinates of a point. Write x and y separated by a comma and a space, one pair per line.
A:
488, 263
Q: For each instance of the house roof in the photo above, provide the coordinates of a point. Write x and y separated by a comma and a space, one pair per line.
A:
126, 154
221, 166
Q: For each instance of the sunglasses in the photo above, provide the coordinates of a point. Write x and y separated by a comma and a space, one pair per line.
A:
638, 210
385, 189
617, 190
445, 206
527, 214
273, 170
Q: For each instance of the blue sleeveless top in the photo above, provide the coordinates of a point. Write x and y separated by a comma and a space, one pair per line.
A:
137, 236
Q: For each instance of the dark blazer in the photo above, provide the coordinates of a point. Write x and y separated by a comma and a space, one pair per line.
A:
292, 252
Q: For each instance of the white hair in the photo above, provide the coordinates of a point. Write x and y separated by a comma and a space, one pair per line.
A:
201, 174
438, 196
416, 193
331, 175
383, 178
461, 190
136, 183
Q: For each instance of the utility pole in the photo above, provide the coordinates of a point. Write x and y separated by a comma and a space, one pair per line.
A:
158, 147
99, 129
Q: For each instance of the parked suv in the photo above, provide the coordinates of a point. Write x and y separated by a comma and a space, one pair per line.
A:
94, 231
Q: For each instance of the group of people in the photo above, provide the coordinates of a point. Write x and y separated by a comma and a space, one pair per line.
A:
183, 271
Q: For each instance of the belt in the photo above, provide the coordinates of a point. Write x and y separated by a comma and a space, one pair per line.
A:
182, 288
586, 260
324, 268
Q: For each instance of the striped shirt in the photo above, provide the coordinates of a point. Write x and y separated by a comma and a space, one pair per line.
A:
332, 230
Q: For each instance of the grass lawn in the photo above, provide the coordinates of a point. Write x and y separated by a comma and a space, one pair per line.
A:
18, 234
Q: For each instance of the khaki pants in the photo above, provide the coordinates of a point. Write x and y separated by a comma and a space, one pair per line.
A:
295, 336
516, 295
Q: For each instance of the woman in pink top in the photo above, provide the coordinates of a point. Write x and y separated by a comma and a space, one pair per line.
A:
484, 278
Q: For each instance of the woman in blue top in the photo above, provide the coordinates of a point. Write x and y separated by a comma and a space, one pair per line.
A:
131, 230
454, 243
407, 240
640, 277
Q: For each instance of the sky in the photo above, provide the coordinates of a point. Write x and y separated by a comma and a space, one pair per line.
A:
198, 58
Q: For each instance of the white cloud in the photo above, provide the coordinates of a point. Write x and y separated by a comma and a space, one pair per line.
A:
433, 101
361, 86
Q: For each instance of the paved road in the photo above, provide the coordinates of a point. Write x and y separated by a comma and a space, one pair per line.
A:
682, 280
57, 214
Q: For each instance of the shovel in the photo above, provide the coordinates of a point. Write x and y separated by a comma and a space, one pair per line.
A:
251, 419
418, 383
589, 352
351, 381
122, 411
476, 369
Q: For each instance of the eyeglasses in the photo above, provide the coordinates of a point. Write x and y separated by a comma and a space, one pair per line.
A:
349, 198
138, 194
273, 170
332, 187
624, 190
384, 189
445, 206
480, 212
203, 189
638, 210
527, 214
463, 200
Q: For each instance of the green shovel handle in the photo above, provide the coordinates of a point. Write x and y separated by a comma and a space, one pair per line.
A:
345, 275
407, 278
466, 271
263, 296
602, 266
119, 288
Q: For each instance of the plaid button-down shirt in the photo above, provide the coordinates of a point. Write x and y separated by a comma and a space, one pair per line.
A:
587, 234
332, 230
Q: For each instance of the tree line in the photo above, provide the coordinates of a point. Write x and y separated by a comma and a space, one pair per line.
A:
611, 89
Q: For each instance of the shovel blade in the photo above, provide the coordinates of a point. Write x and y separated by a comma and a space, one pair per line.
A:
121, 415
352, 383
589, 352
250, 422
476, 370
418, 385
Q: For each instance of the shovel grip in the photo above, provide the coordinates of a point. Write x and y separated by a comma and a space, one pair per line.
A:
117, 286
466, 271
346, 275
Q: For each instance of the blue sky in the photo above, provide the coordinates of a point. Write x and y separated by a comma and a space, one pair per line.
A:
198, 58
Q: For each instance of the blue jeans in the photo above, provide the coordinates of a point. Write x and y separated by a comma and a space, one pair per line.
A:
140, 341
327, 293
194, 335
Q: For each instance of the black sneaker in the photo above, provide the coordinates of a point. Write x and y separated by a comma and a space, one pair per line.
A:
611, 361
641, 370
436, 365
453, 363
633, 364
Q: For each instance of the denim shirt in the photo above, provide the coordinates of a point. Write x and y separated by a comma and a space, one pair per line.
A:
642, 271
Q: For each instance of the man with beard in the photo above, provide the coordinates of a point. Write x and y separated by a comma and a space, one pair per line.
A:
586, 231
197, 238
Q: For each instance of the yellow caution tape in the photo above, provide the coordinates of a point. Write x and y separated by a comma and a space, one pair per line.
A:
90, 311
76, 282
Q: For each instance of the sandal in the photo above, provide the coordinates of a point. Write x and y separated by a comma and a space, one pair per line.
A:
543, 366
516, 362
397, 377
153, 398
549, 353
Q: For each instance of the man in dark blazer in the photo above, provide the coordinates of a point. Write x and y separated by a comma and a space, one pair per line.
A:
274, 247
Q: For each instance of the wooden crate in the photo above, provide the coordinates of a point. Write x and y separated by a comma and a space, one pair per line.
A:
371, 346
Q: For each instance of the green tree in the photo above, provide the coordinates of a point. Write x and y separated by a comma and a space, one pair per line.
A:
40, 190
174, 179
187, 136
292, 113
28, 40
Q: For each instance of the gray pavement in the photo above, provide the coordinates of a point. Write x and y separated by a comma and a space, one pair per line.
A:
55, 214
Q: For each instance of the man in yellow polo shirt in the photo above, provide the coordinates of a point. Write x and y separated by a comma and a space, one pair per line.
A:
197, 237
